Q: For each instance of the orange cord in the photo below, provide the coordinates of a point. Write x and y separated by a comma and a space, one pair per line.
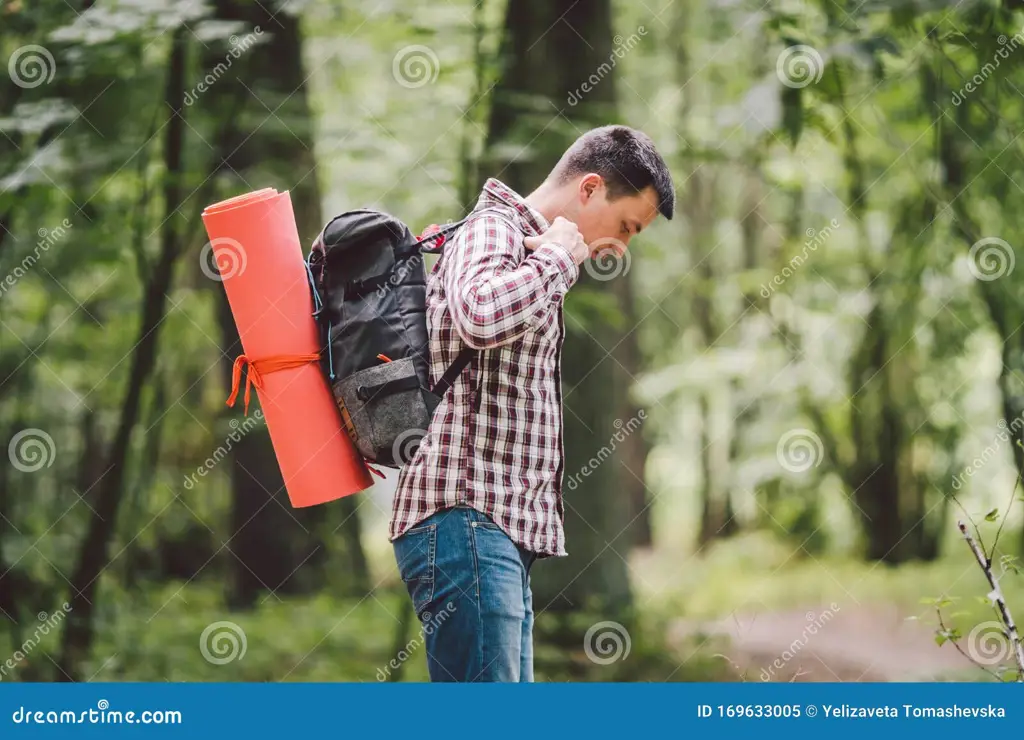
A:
383, 358
257, 368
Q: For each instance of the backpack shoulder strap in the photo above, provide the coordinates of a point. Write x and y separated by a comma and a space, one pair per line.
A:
454, 370
466, 354
437, 247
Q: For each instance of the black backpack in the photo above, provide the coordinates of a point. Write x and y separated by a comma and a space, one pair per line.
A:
369, 291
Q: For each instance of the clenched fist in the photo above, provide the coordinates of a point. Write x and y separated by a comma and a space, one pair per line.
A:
565, 234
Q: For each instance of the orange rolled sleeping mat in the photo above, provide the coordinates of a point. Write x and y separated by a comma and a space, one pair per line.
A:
256, 247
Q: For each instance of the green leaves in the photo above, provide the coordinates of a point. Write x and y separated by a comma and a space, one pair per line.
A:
103, 23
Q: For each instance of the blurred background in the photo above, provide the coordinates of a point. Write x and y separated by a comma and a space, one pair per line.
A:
778, 407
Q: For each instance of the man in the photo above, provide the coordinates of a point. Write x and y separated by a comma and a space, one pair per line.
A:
481, 498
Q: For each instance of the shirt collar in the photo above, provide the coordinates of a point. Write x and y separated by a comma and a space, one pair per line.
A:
496, 192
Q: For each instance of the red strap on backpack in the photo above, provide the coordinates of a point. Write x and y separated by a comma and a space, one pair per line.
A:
430, 230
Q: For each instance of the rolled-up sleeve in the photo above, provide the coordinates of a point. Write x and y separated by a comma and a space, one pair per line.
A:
495, 290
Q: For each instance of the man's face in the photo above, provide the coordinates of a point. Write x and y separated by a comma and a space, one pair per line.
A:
610, 224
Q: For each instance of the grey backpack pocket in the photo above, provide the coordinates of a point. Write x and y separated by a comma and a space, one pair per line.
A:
388, 409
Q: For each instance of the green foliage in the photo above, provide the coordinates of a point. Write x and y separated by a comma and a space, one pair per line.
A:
586, 646
877, 337
157, 636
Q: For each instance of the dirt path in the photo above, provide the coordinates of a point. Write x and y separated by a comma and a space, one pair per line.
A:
818, 644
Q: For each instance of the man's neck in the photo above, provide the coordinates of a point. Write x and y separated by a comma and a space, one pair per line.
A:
548, 200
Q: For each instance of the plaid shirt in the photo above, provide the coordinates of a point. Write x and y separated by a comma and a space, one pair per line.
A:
495, 440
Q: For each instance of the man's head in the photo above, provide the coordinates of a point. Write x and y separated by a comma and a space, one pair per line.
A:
612, 183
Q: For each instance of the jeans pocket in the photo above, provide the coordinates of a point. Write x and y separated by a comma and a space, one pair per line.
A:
415, 552
479, 520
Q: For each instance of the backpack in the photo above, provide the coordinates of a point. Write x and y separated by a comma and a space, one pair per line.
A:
368, 282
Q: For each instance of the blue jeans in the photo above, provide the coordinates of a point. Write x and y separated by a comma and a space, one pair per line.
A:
470, 585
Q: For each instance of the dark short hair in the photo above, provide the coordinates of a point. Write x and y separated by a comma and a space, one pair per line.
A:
625, 158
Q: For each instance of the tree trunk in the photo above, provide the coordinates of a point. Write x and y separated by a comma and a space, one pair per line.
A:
698, 204
550, 48
716, 506
874, 478
94, 553
752, 227
880, 433
997, 295
275, 547
632, 454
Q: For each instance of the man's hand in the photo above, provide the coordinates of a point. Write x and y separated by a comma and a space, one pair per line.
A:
564, 233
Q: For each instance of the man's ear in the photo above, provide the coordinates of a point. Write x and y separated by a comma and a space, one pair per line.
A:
589, 185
